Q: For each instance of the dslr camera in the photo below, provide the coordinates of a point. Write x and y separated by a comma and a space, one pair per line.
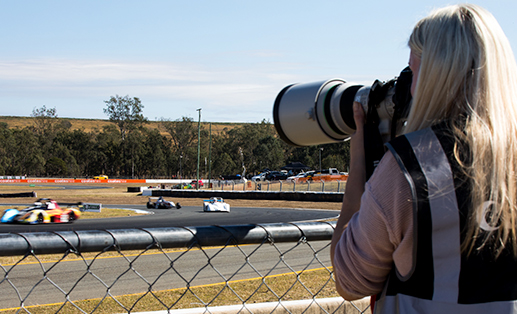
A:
321, 112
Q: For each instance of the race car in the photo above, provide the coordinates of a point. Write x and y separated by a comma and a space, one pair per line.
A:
160, 203
215, 204
44, 210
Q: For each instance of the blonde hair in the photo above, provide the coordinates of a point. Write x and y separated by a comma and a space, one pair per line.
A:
468, 76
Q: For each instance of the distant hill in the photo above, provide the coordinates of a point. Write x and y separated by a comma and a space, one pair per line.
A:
89, 125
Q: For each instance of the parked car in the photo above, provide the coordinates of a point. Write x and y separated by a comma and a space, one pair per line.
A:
259, 177
302, 177
296, 177
101, 177
231, 177
44, 210
276, 175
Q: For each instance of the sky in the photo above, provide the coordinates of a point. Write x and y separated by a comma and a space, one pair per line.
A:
229, 58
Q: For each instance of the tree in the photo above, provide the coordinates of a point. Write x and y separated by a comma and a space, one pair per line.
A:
80, 146
28, 157
108, 151
56, 167
270, 152
254, 146
184, 138
44, 119
154, 163
125, 112
7, 146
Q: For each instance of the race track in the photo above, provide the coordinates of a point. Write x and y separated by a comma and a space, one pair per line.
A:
184, 217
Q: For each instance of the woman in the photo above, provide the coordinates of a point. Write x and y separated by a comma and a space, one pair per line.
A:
434, 229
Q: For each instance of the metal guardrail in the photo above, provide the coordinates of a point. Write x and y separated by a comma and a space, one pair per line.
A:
207, 267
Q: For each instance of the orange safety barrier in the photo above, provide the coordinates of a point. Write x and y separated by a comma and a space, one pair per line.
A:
72, 181
325, 178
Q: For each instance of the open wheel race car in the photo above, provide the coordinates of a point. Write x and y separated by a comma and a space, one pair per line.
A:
215, 204
160, 203
44, 210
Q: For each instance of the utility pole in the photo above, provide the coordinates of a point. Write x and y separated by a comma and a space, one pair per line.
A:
198, 146
321, 149
210, 158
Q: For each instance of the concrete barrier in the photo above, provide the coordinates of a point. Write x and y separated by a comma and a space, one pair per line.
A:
329, 305
308, 196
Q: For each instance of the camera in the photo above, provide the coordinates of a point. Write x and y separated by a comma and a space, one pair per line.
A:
321, 112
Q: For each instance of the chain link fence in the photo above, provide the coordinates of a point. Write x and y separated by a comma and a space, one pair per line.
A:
267, 186
265, 268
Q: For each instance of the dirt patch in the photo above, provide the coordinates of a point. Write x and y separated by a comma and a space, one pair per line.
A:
116, 193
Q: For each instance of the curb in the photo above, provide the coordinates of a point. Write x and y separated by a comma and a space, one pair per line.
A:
310, 306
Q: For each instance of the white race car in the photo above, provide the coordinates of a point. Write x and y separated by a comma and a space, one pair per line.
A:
215, 204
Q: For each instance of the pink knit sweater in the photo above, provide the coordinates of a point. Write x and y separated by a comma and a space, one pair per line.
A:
377, 236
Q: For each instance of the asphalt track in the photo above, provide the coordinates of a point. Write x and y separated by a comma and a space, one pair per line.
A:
184, 217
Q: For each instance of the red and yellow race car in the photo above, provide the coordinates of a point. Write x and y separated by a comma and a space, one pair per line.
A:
44, 210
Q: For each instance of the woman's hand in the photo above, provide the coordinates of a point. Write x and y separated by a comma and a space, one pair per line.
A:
356, 177
357, 174
357, 155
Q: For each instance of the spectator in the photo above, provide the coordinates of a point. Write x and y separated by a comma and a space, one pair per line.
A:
434, 229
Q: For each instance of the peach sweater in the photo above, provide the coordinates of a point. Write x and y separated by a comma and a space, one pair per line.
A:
379, 235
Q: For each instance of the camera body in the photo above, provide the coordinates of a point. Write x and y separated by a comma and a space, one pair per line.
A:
321, 112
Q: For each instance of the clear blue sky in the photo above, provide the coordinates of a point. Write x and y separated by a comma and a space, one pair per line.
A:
229, 58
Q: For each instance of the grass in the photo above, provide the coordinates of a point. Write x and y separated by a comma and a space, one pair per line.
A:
257, 290
93, 125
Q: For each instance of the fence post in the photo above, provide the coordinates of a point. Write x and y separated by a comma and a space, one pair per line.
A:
338, 185
322, 186
294, 186
280, 185
308, 185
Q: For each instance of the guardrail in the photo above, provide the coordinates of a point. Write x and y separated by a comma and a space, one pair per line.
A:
254, 268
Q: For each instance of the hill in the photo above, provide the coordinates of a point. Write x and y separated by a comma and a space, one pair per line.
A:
91, 125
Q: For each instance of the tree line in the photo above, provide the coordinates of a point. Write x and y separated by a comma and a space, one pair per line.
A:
129, 149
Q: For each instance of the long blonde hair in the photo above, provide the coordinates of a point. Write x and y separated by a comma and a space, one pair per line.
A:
468, 72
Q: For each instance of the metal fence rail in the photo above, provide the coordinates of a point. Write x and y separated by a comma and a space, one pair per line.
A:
166, 269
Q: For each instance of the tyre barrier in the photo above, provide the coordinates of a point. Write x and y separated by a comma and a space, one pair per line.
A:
134, 189
22, 194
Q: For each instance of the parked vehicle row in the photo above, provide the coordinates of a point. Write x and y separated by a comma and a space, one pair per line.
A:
270, 176
313, 175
